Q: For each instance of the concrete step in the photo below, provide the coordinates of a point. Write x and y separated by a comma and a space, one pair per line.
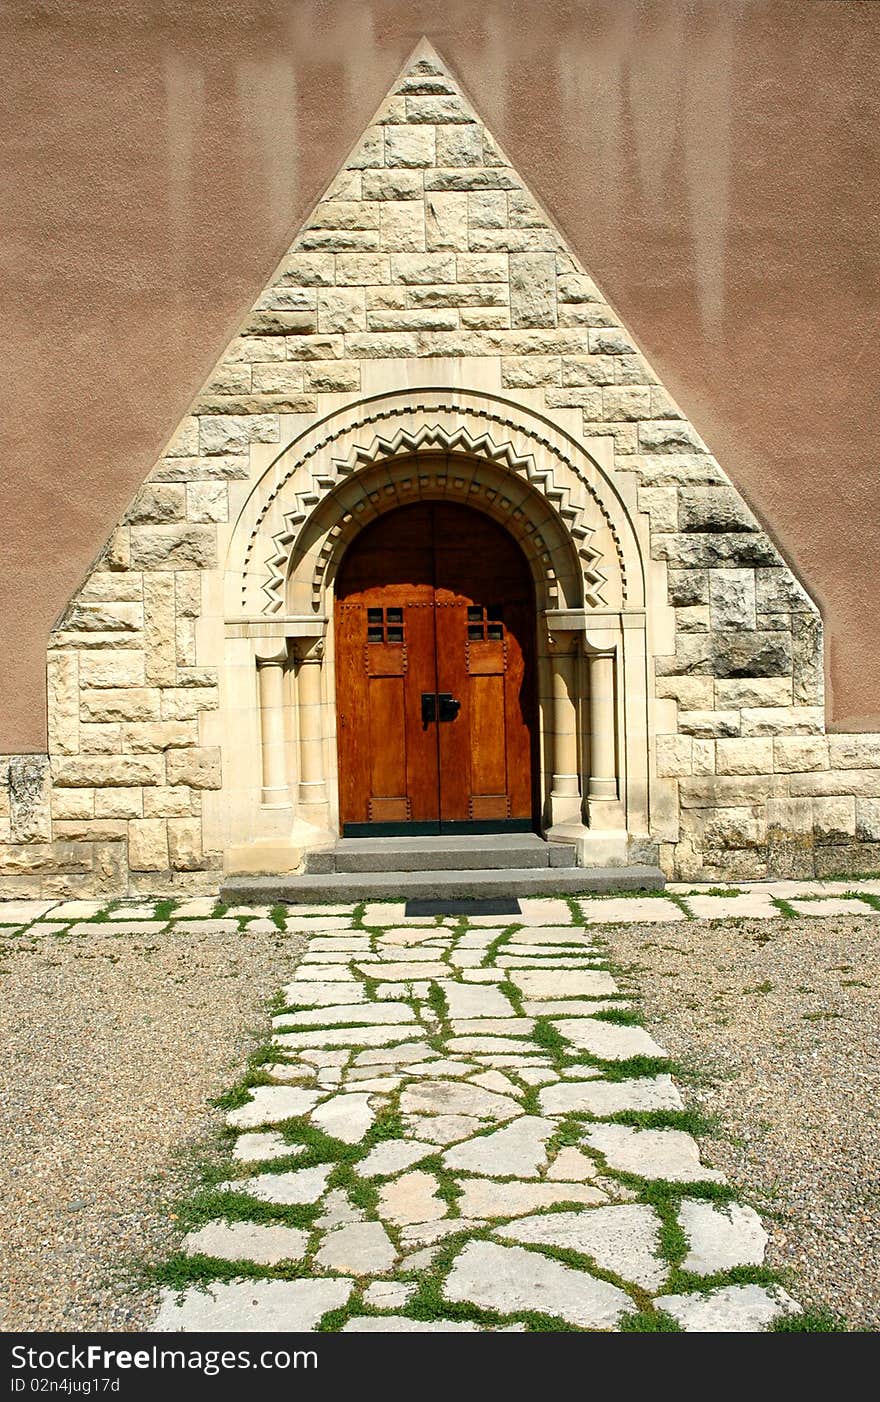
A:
518, 851
421, 885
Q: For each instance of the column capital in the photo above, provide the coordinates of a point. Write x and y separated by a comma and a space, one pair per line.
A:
309, 650
271, 652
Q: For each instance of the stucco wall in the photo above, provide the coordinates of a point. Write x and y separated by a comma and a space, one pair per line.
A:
715, 167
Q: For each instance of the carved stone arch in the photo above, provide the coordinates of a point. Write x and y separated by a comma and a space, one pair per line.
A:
487, 429
532, 522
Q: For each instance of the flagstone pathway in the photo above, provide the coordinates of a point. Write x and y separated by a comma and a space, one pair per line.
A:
460, 1125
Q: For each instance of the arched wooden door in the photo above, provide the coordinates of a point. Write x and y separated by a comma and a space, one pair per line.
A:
435, 676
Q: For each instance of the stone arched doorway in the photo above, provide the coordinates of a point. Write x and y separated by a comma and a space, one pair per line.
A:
436, 678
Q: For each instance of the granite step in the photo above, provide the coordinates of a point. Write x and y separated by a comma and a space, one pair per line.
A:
473, 884
498, 851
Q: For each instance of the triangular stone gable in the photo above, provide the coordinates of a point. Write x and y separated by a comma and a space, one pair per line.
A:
428, 247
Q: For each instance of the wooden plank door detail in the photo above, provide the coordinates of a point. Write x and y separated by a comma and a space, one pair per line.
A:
435, 601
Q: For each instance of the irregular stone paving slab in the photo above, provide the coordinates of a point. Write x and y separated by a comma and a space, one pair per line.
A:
22, 912
832, 907
652, 1153
607, 1040
316, 925
399, 1324
568, 936
346, 1117
193, 909
572, 1166
201, 927
300, 1185
40, 927
392, 1156
403, 991
108, 928
441, 1067
420, 955
79, 910
444, 1129
753, 906
493, 1026
485, 1197
271, 1104
404, 973
624, 1239
338, 1210
490, 1044
412, 1198
379, 913
721, 1236
323, 973
562, 983
343, 1037
496, 1080
513, 962
284, 1071
399, 1056
571, 1007
389, 1294
730, 1309
610, 1097
517, 1151
474, 1001
440, 1097
247, 1241
408, 936
359, 1248
537, 911
254, 1148
347, 1012
511, 1280
323, 995
642, 910
251, 1306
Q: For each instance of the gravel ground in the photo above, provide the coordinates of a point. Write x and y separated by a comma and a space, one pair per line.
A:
779, 1020
113, 1049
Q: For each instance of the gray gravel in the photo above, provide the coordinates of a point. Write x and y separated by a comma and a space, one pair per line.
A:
779, 1020
113, 1047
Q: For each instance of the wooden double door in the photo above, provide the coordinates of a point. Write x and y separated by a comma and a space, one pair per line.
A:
435, 676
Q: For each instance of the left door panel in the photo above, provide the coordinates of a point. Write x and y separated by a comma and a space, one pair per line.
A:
388, 758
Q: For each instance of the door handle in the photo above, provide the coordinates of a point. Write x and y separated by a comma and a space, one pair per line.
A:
448, 706
429, 707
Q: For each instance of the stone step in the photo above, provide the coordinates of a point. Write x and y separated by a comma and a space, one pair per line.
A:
454, 885
498, 851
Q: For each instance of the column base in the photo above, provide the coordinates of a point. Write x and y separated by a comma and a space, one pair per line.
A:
605, 814
596, 848
275, 797
566, 806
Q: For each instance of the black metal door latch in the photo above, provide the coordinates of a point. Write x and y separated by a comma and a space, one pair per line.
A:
429, 707
448, 706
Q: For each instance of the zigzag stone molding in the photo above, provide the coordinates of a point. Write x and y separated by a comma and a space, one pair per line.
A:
408, 441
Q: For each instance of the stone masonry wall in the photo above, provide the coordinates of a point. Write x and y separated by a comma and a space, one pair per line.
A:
429, 245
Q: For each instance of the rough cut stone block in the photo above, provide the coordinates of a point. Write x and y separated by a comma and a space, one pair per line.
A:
459, 145
173, 547
148, 844
532, 289
199, 768
409, 146
732, 599
744, 756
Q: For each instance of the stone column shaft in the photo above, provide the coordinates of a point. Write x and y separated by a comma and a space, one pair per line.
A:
270, 676
312, 783
603, 747
565, 794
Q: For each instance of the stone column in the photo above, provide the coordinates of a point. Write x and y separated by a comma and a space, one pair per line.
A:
312, 783
603, 746
565, 792
271, 663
